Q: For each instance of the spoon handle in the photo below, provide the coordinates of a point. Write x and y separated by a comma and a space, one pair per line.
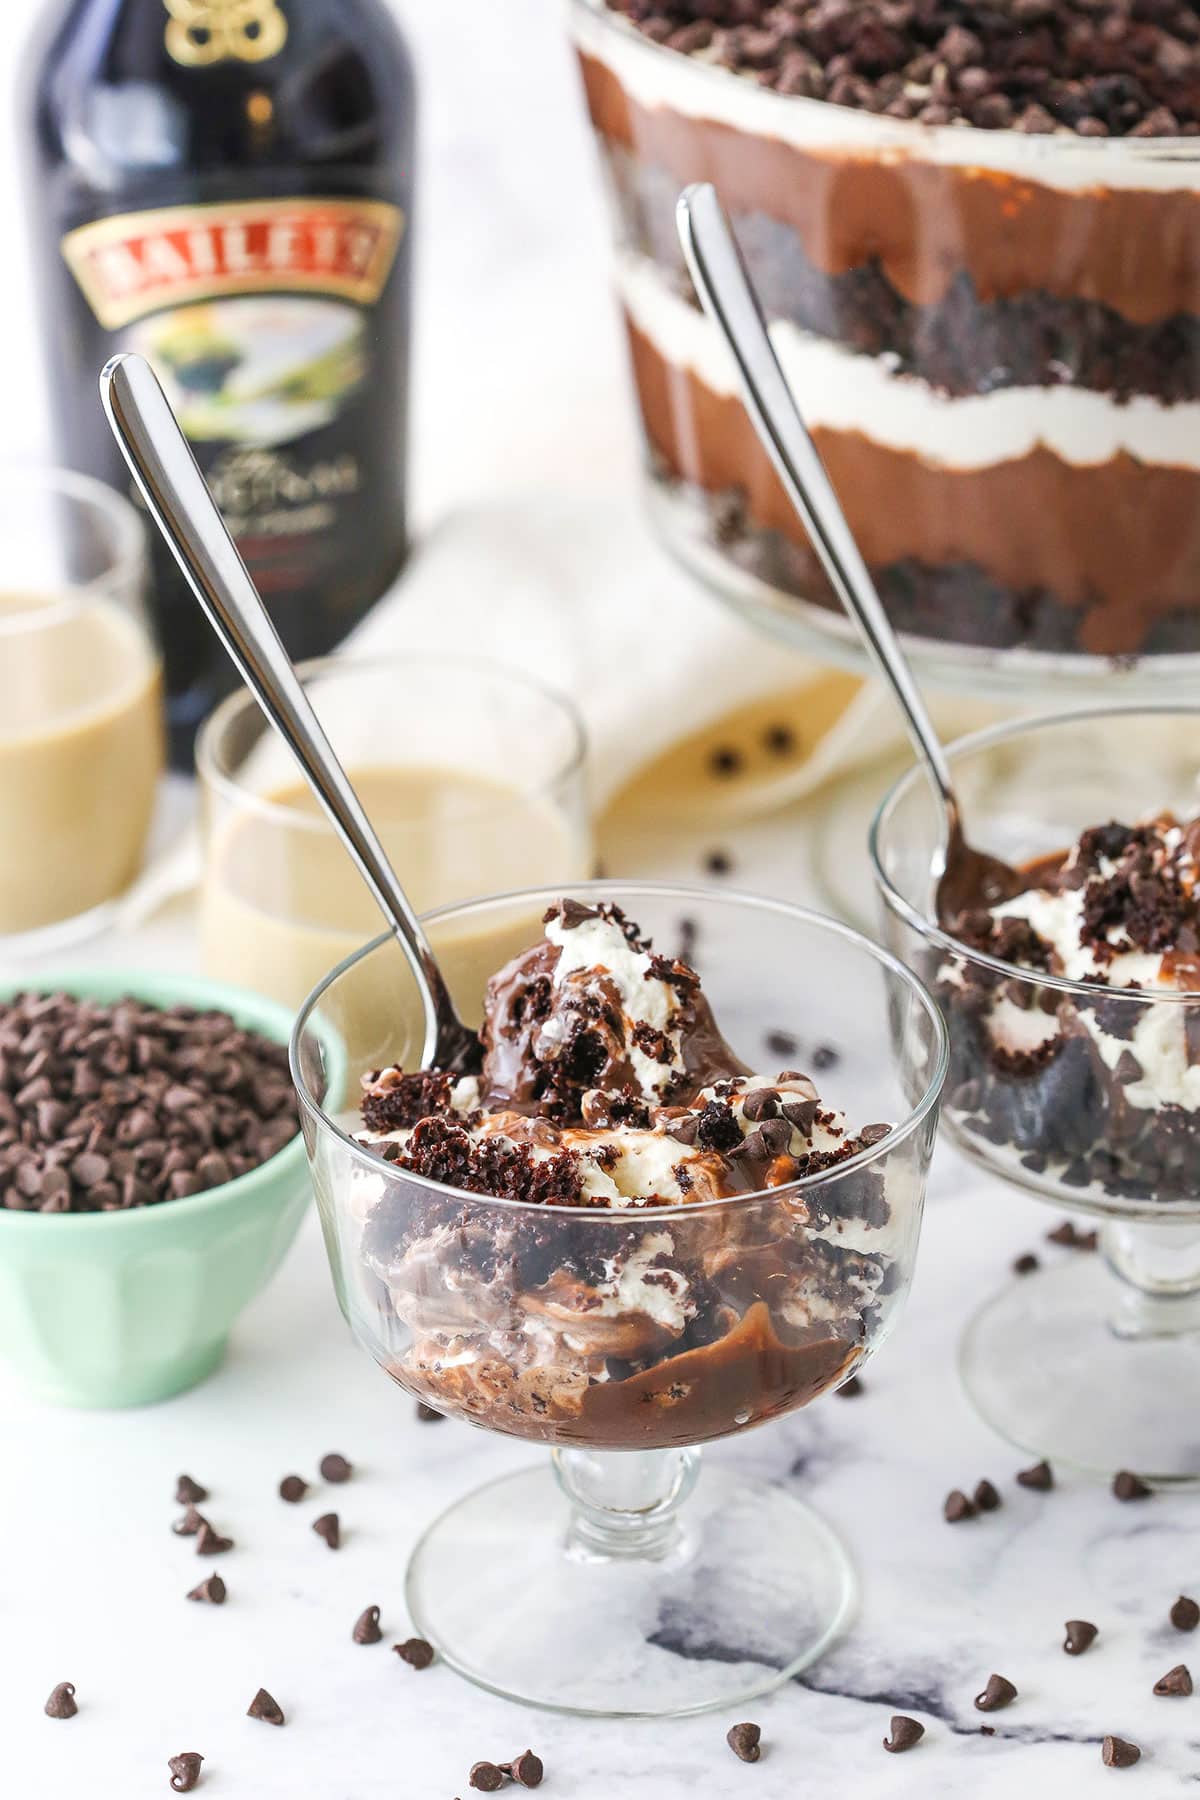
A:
188, 517
723, 285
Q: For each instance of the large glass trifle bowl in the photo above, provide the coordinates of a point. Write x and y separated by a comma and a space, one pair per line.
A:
623, 1333
979, 256
1073, 1007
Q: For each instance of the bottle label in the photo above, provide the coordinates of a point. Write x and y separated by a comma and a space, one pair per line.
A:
136, 263
202, 32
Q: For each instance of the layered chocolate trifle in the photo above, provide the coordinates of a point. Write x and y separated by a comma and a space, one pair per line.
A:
1098, 1089
606, 1088
976, 233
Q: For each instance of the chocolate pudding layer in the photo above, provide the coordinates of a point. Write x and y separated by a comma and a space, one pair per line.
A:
1099, 1089
976, 234
612, 1306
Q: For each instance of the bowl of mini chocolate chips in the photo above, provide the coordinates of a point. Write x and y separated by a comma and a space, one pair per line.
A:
152, 1178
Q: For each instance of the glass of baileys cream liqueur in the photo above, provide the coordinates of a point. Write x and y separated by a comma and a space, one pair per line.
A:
226, 186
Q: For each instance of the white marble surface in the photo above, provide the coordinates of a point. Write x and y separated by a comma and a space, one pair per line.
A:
520, 390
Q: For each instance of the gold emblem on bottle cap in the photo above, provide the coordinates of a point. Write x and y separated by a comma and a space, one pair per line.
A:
200, 32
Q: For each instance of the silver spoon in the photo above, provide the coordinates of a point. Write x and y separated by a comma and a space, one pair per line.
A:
967, 876
187, 516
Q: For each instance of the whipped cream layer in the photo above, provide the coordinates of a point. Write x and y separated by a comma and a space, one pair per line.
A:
698, 87
840, 390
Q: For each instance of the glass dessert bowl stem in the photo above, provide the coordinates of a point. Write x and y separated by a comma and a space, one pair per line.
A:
610, 1580
1084, 1092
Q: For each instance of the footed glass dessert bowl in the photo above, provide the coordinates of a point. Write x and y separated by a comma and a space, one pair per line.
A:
619, 1239
1073, 1005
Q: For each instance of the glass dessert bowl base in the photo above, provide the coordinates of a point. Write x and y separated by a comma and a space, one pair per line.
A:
1074, 1365
587, 1587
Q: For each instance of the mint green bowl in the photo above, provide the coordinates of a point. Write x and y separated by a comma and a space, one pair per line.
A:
121, 1308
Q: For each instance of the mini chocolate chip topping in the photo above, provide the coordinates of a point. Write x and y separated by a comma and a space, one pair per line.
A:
526, 1770
782, 1043
1185, 1614
745, 1741
293, 1488
825, 1057
1069, 1236
998, 1692
104, 1108
1176, 1682
905, 1733
209, 1542
328, 1527
264, 1706
718, 862
211, 1590
725, 761
1040, 1477
1026, 1265
189, 1492
185, 1770
366, 1626
487, 1777
61, 1704
416, 1652
986, 1497
1127, 1486
779, 739
1092, 67
1081, 1635
956, 1507
1118, 1753
335, 1468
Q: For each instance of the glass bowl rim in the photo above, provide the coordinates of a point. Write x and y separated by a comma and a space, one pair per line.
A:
899, 1133
928, 929
1033, 149
209, 765
127, 551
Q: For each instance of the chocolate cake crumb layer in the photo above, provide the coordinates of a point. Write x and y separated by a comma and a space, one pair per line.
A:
1101, 68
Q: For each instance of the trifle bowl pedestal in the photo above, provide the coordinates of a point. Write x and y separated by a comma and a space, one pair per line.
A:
615, 1578
1084, 1093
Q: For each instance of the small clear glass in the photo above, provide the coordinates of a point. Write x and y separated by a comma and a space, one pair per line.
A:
600, 1582
1094, 1360
81, 734
473, 776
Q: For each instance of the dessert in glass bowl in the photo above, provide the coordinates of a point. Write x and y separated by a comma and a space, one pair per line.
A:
974, 231
615, 1238
1073, 1004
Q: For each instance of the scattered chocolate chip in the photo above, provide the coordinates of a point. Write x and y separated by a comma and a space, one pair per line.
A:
213, 1590
335, 1468
329, 1528
718, 862
987, 1731
189, 1492
1071, 1238
428, 1415
1127, 1486
209, 1543
366, 1628
487, 1777
745, 1741
850, 1390
725, 761
825, 1057
1176, 1681
191, 1523
1185, 1614
956, 1506
61, 1704
1025, 1265
782, 1043
416, 1652
998, 1692
185, 1771
265, 1707
1118, 1753
905, 1733
1081, 1635
1040, 1477
526, 1770
985, 1497
293, 1488
779, 739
